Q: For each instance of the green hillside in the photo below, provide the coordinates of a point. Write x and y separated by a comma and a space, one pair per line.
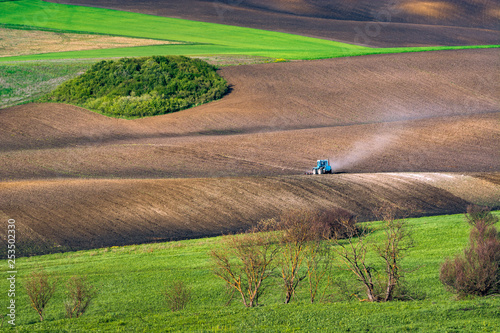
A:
201, 38
131, 281
208, 38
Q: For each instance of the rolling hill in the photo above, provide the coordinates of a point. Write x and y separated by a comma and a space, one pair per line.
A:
429, 121
384, 23
84, 214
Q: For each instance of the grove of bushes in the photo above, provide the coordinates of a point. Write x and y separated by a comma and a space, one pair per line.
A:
139, 87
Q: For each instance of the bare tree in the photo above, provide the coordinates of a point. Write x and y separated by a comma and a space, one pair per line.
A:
396, 243
301, 234
80, 294
477, 213
380, 284
318, 266
40, 288
245, 262
352, 251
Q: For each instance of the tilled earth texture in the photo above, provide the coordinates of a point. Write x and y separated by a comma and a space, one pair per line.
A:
70, 214
381, 23
419, 131
434, 111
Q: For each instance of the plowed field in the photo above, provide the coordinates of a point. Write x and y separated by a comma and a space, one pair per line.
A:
383, 23
428, 121
82, 214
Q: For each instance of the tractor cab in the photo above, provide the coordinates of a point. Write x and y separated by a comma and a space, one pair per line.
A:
322, 167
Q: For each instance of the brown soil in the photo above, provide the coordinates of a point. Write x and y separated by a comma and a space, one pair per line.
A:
82, 214
409, 112
382, 23
21, 42
234, 161
468, 143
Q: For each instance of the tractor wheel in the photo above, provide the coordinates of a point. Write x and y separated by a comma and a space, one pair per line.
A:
315, 171
320, 171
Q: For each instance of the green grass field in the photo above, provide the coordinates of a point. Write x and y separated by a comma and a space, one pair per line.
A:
23, 82
202, 38
132, 278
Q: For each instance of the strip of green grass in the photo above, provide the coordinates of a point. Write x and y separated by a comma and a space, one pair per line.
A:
132, 278
206, 50
204, 38
31, 28
223, 39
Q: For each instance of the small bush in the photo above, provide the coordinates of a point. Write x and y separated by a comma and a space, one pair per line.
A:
304, 225
477, 270
476, 214
177, 295
79, 296
339, 222
40, 288
316, 225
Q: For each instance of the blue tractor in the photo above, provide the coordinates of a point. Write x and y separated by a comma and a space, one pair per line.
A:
322, 167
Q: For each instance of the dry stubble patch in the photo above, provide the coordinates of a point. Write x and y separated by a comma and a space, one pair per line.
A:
15, 42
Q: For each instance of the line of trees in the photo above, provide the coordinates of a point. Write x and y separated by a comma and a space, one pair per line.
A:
302, 247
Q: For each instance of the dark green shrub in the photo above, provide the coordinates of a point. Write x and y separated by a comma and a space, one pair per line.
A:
139, 87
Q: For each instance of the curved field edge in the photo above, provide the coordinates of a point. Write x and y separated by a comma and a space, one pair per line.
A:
93, 213
205, 38
328, 23
131, 281
464, 13
66, 17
